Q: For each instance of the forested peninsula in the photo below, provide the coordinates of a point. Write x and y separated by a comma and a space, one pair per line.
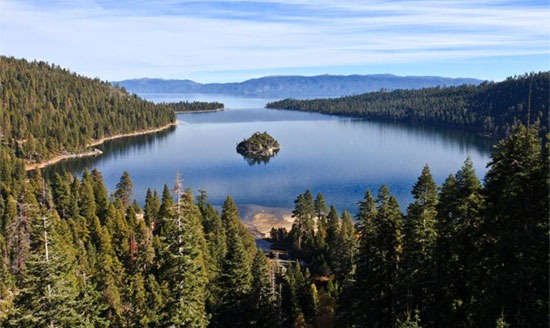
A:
490, 109
47, 111
194, 106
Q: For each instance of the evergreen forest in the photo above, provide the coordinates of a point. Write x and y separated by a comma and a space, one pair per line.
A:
47, 111
193, 106
490, 109
467, 253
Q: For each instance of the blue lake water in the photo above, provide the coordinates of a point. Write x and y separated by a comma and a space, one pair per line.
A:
340, 157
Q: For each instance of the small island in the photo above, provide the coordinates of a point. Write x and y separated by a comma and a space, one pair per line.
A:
260, 147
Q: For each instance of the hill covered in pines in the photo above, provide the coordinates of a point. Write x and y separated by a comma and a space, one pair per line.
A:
490, 108
47, 111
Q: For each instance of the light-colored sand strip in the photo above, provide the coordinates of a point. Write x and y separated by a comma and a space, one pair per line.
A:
93, 152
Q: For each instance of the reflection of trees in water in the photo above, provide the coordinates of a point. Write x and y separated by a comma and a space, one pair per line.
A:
258, 159
449, 136
111, 149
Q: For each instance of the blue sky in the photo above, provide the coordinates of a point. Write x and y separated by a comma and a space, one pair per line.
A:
221, 41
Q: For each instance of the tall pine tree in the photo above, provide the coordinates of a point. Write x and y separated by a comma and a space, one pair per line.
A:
419, 242
514, 264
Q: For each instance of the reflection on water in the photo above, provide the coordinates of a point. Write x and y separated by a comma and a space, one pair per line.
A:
449, 137
340, 157
112, 151
258, 159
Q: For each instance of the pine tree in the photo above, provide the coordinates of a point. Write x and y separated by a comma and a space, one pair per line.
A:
236, 278
184, 271
390, 237
419, 242
459, 217
217, 248
321, 212
62, 196
290, 304
75, 197
101, 196
333, 231
320, 205
87, 205
378, 262
304, 212
166, 211
357, 296
152, 207
446, 255
124, 189
231, 220
263, 297
514, 250
48, 291
311, 308
346, 248
109, 279
119, 231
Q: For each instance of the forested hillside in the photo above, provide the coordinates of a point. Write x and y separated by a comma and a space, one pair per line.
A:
463, 255
46, 111
490, 109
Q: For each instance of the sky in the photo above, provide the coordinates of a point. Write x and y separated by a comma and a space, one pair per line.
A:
229, 41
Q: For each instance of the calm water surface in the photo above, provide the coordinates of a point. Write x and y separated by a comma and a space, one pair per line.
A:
339, 157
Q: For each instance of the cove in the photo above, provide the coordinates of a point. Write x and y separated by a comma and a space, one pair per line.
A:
337, 156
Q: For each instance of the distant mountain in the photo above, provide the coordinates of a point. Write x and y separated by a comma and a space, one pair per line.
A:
323, 86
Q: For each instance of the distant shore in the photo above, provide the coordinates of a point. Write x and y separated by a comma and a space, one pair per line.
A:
199, 111
93, 152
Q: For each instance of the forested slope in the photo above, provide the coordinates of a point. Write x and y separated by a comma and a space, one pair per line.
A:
46, 110
490, 108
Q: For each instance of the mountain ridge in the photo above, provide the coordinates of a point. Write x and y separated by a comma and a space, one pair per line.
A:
296, 86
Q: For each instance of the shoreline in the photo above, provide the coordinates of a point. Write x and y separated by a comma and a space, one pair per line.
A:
93, 152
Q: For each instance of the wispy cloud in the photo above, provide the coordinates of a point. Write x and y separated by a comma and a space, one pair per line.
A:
194, 39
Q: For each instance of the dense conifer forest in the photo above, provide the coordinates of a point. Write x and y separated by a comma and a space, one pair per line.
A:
46, 111
465, 254
73, 254
490, 109
194, 106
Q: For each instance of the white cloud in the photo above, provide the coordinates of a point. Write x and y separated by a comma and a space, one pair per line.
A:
115, 40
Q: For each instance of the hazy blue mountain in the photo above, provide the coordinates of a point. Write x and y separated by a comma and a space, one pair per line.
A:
296, 86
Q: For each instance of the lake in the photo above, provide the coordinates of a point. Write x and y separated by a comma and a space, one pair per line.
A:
339, 157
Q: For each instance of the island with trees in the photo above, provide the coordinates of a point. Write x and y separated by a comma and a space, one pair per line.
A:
260, 147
